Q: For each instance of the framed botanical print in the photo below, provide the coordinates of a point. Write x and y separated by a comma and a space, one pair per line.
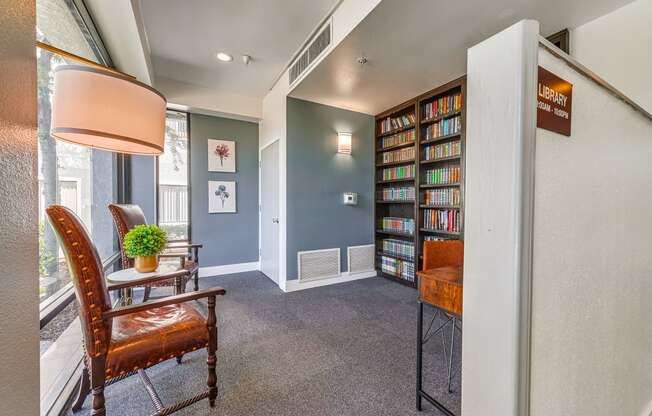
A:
221, 197
221, 155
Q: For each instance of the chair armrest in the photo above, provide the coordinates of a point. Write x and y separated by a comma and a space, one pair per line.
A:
171, 300
149, 280
172, 245
172, 255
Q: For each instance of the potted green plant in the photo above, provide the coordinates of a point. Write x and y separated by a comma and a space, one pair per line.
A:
143, 243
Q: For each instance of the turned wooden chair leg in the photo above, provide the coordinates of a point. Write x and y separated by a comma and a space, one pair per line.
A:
97, 371
212, 347
196, 278
148, 290
84, 389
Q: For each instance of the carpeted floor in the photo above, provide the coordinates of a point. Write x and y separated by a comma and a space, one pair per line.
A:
346, 349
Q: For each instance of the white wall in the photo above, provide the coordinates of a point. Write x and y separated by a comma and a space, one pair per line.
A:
501, 86
19, 302
592, 287
618, 47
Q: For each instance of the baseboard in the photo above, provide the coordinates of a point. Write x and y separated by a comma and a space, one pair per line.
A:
294, 285
228, 269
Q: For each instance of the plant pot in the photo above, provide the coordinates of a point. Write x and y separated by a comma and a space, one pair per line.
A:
146, 264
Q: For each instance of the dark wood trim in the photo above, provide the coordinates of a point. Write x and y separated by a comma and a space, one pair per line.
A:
561, 40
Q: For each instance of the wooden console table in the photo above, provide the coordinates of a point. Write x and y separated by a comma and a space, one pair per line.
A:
441, 288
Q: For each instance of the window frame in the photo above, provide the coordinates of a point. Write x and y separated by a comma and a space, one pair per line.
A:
188, 163
50, 308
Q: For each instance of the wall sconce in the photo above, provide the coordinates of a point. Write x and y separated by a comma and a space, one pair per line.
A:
344, 143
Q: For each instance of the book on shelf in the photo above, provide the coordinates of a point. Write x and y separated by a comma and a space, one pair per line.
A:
444, 127
401, 155
394, 123
442, 150
404, 193
398, 224
442, 176
398, 139
437, 238
444, 196
398, 172
396, 247
443, 105
399, 268
447, 220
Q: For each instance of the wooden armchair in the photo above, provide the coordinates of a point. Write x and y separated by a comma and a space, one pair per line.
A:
126, 217
122, 341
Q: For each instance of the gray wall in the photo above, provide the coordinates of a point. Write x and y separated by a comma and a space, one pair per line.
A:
227, 238
19, 303
317, 176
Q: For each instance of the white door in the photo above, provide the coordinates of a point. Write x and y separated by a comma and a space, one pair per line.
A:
269, 211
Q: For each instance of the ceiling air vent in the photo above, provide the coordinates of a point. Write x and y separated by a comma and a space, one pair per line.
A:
310, 54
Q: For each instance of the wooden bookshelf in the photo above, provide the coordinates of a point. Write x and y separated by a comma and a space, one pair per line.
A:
419, 141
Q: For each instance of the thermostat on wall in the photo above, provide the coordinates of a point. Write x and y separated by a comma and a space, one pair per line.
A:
350, 198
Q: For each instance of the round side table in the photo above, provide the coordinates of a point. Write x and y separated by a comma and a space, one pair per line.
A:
131, 275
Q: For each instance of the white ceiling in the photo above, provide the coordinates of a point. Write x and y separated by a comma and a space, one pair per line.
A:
184, 37
413, 46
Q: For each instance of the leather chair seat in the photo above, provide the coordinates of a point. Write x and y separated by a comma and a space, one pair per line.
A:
142, 339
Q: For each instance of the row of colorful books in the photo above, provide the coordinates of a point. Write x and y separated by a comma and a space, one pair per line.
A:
393, 123
398, 172
439, 151
443, 196
397, 224
442, 220
444, 127
442, 176
397, 139
443, 105
401, 155
405, 193
399, 268
398, 248
436, 238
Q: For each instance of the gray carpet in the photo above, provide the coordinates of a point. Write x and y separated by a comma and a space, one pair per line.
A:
347, 349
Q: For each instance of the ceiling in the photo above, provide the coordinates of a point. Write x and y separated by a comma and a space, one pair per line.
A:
411, 50
185, 36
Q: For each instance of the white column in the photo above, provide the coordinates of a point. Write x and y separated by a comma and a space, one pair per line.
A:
501, 128
19, 312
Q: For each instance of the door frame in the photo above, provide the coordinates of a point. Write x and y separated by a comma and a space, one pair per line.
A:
281, 241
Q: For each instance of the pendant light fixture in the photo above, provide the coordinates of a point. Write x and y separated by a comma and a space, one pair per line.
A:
98, 108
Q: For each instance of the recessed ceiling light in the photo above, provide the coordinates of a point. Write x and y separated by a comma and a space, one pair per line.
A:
224, 57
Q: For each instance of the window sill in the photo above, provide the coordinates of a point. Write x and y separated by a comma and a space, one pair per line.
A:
61, 367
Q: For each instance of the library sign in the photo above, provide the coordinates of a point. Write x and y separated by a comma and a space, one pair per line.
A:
554, 103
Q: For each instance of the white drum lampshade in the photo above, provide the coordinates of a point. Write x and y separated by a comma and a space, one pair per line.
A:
101, 109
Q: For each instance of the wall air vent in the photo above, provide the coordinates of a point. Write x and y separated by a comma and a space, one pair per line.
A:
361, 258
310, 54
318, 264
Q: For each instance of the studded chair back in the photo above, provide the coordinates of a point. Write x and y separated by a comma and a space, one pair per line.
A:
126, 217
87, 276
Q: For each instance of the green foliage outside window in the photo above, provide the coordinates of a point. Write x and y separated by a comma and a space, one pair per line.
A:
145, 240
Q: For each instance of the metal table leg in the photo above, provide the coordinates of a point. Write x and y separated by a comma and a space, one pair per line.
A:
419, 354
422, 340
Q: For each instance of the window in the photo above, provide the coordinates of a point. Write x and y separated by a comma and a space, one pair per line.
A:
80, 178
173, 170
